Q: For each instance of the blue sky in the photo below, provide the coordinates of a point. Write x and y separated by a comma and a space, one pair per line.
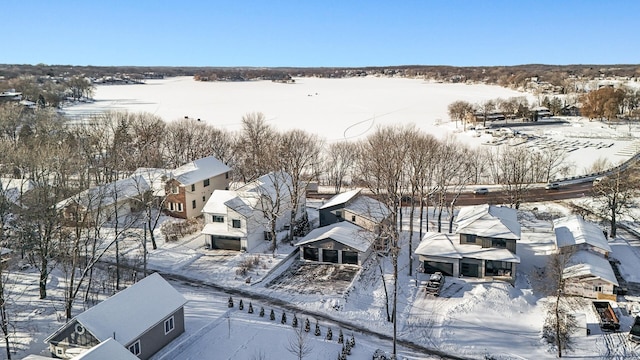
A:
319, 33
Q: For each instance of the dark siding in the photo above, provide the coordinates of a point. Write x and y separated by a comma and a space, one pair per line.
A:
69, 336
327, 217
155, 339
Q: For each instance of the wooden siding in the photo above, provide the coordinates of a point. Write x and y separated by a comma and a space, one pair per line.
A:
155, 339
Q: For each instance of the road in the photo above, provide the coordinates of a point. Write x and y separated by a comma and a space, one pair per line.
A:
537, 194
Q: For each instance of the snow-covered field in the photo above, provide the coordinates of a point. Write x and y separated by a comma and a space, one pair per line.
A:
350, 108
472, 319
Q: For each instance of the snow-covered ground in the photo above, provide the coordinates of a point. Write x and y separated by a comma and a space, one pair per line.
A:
472, 319
350, 108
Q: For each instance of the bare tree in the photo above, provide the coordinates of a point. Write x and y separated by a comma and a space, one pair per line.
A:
255, 148
298, 155
511, 168
617, 194
299, 343
339, 159
272, 201
459, 111
485, 109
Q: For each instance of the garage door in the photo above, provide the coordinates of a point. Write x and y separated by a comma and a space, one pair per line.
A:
309, 253
330, 256
433, 266
225, 243
350, 257
470, 270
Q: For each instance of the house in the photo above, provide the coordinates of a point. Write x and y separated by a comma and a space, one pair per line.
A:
13, 189
190, 186
143, 318
484, 245
103, 203
589, 273
358, 209
338, 243
106, 350
239, 219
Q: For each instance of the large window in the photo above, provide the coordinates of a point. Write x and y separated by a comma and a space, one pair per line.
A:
135, 348
497, 268
193, 204
205, 182
468, 239
179, 207
168, 325
499, 243
218, 218
235, 224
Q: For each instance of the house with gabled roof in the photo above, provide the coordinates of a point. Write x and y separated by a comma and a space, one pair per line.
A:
14, 189
143, 318
103, 203
190, 186
339, 243
235, 219
359, 209
483, 245
106, 350
589, 272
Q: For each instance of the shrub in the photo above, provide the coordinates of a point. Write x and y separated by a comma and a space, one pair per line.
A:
307, 325
294, 322
272, 315
250, 308
317, 332
340, 337
329, 334
261, 311
230, 302
284, 318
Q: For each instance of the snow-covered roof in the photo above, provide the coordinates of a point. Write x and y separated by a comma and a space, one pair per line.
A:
244, 204
107, 194
212, 229
574, 230
107, 350
340, 198
369, 208
131, 312
586, 264
273, 184
344, 232
216, 203
447, 246
13, 188
488, 221
156, 178
199, 170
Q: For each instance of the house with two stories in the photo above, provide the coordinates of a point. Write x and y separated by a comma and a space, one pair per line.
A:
588, 272
189, 187
483, 245
142, 318
241, 219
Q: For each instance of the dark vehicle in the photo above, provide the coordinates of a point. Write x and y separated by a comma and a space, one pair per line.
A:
481, 191
435, 284
634, 334
608, 318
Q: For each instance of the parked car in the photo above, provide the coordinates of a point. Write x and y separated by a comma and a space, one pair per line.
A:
552, 186
435, 284
481, 191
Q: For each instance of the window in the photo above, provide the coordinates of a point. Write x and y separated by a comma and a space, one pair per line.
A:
226, 175
218, 218
174, 189
59, 351
236, 224
193, 204
498, 243
597, 288
168, 325
135, 348
353, 218
468, 239
171, 206
204, 199
206, 182
193, 187
179, 207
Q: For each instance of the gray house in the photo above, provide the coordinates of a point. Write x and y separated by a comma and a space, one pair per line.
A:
339, 243
143, 318
483, 246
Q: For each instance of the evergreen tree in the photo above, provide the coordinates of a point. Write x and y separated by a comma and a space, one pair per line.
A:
347, 347
230, 302
261, 311
250, 308
284, 318
307, 325
317, 332
340, 337
272, 315
294, 323
352, 342
241, 305
329, 334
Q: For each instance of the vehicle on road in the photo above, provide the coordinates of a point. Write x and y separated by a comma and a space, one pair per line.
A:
552, 186
435, 284
481, 191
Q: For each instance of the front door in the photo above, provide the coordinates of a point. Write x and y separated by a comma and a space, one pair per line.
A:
467, 269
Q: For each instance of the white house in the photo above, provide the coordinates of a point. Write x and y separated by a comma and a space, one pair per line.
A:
484, 245
589, 272
240, 219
